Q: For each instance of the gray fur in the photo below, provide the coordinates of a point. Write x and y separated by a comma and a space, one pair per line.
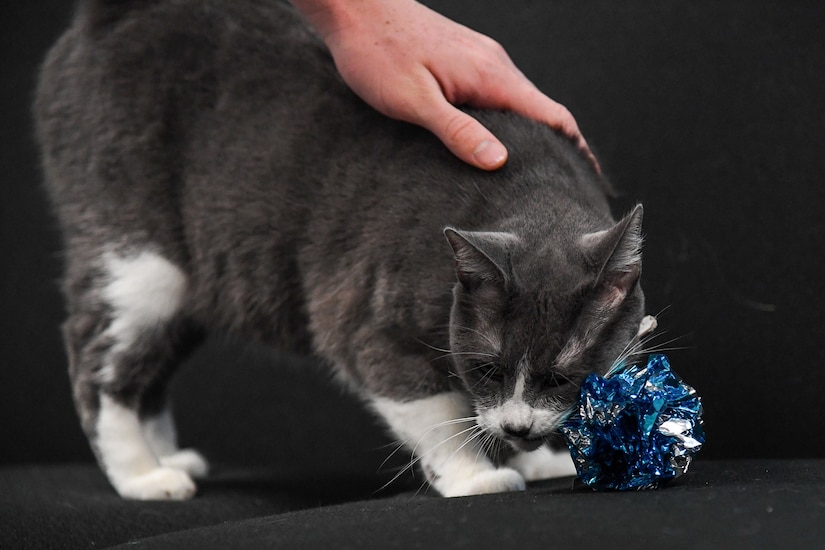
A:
219, 135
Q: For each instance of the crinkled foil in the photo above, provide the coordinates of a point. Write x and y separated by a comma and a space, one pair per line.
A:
635, 429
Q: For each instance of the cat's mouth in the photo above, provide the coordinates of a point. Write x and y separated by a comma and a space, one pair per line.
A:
525, 444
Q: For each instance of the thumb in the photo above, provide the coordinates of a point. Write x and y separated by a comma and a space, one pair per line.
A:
466, 137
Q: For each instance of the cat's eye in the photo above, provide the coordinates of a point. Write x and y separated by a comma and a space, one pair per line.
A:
488, 372
555, 380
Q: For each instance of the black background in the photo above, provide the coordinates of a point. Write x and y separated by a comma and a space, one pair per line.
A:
710, 113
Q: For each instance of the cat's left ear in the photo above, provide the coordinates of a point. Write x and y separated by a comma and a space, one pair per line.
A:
481, 257
618, 252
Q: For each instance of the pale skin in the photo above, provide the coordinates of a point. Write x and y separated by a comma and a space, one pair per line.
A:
413, 64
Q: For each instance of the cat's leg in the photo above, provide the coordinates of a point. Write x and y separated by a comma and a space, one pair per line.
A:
441, 432
158, 426
124, 334
543, 463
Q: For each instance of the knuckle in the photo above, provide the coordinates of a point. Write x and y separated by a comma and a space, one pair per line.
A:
567, 117
458, 127
494, 47
564, 120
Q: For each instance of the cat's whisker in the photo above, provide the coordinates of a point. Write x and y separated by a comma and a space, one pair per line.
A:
416, 458
562, 376
663, 310
480, 449
661, 347
485, 337
446, 440
398, 446
486, 446
398, 474
435, 348
449, 352
423, 486
631, 344
640, 346
457, 354
478, 432
454, 421
488, 374
475, 432
493, 445
450, 422
480, 366
472, 353
638, 342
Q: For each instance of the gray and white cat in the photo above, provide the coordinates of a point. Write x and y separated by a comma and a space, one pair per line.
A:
211, 171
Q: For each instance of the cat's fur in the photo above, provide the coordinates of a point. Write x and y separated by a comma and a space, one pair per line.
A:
210, 170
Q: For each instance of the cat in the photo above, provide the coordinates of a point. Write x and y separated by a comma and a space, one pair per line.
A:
210, 171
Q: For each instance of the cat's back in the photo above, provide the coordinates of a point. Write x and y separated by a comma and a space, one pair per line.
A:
197, 101
135, 97
131, 80
220, 132
132, 39
132, 101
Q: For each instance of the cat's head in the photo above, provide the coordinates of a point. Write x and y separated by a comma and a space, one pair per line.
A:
531, 319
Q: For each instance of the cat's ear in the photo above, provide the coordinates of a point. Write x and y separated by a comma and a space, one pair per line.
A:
618, 254
481, 257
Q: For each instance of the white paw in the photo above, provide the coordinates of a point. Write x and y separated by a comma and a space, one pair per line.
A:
158, 484
543, 464
648, 325
187, 460
491, 481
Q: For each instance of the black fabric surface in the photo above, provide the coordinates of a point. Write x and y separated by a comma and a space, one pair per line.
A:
719, 504
73, 506
744, 504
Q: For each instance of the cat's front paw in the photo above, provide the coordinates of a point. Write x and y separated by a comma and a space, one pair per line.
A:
158, 484
189, 461
543, 463
501, 480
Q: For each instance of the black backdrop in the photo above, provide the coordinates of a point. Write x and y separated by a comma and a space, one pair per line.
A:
711, 113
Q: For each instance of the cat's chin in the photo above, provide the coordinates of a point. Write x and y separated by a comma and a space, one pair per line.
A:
525, 445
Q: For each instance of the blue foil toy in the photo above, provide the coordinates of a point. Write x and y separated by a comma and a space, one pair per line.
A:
635, 428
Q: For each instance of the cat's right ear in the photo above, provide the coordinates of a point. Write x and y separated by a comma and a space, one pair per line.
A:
481, 257
618, 252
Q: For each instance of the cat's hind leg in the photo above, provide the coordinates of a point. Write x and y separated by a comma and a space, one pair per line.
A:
158, 427
125, 334
442, 434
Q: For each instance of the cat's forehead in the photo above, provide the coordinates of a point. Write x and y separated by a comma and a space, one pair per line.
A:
550, 292
552, 278
541, 320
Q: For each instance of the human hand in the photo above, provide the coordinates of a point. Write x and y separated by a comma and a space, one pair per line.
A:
415, 65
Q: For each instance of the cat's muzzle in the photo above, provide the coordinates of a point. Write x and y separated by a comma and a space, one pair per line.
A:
525, 444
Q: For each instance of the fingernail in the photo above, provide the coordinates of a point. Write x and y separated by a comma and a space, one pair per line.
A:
490, 154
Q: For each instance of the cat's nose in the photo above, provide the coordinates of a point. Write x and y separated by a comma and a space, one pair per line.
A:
516, 430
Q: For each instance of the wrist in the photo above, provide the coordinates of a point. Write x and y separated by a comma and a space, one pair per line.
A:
330, 16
